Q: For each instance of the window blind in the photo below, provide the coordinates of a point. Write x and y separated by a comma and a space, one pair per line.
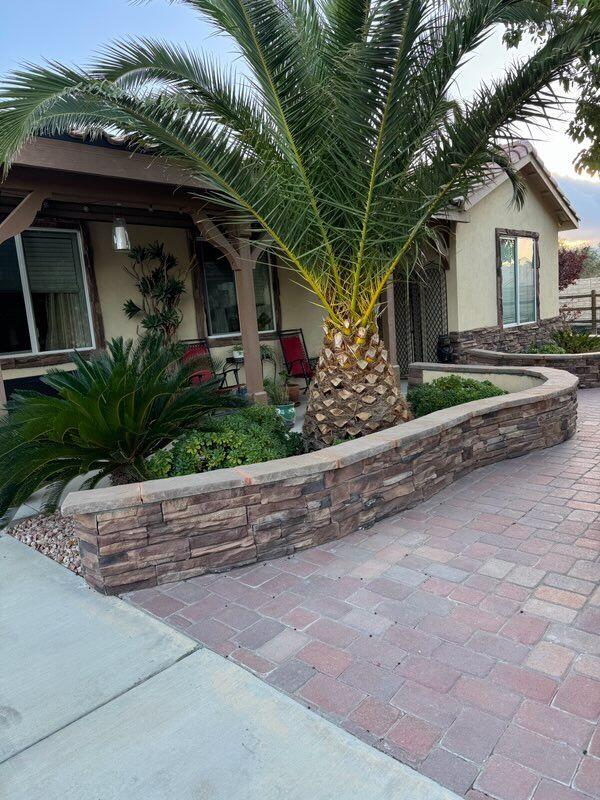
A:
52, 261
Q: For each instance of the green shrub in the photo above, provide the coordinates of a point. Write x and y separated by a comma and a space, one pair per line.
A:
451, 390
576, 342
250, 436
107, 417
548, 348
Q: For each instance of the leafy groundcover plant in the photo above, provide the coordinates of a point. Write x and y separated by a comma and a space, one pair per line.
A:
106, 418
567, 341
249, 436
449, 391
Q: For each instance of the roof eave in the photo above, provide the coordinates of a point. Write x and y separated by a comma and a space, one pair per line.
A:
567, 219
68, 155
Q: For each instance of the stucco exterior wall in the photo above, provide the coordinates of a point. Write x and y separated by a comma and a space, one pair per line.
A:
300, 309
115, 286
472, 300
32, 372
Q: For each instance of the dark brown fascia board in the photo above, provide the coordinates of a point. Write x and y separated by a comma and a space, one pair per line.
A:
87, 159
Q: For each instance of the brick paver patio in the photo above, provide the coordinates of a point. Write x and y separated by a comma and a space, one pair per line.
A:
462, 636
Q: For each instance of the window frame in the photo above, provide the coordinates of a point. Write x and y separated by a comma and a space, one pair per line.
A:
35, 351
218, 337
510, 233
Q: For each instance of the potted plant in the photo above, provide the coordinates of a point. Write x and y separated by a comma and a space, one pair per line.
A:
277, 392
268, 354
237, 353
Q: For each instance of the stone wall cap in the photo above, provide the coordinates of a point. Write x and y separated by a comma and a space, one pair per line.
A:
305, 464
188, 485
533, 358
419, 366
354, 450
410, 431
553, 380
108, 498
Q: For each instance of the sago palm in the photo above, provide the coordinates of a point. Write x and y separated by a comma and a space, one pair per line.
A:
337, 139
105, 419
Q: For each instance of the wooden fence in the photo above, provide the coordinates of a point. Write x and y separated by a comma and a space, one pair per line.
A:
586, 307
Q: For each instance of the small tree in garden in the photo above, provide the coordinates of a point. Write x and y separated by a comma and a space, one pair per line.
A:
161, 286
591, 268
571, 264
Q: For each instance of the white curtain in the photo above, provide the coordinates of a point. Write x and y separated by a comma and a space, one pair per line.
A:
67, 322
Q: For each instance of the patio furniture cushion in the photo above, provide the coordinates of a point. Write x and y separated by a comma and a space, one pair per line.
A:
199, 350
295, 355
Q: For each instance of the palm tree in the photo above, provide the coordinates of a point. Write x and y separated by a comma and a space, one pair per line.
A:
337, 139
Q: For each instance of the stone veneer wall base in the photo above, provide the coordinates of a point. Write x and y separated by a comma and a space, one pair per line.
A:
511, 339
145, 534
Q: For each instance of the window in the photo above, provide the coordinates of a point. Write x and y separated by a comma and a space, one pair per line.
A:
221, 298
44, 305
518, 274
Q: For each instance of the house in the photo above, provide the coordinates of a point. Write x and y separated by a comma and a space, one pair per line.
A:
497, 286
62, 283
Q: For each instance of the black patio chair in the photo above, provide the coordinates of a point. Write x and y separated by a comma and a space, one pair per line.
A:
199, 350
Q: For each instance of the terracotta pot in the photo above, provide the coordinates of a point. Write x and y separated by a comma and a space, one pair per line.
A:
293, 393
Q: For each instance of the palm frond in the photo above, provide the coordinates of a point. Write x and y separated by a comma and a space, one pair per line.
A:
337, 137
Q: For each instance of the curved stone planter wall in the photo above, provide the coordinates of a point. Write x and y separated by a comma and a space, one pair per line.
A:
159, 531
586, 366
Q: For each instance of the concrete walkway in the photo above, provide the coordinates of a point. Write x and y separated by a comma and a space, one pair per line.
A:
462, 637
99, 701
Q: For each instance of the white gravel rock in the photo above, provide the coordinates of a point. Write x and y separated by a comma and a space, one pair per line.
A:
50, 534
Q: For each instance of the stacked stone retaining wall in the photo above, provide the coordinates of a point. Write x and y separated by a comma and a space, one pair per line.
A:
145, 534
585, 366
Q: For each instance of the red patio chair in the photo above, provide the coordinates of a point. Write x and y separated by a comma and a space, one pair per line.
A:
297, 362
198, 350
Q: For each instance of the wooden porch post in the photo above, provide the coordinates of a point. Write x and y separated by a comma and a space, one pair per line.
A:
246, 299
242, 256
390, 328
2, 395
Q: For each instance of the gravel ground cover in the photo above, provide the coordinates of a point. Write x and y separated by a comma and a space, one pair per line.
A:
53, 535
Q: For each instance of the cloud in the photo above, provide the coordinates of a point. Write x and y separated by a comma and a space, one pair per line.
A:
585, 197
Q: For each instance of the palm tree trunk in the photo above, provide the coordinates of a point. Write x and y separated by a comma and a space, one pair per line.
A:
354, 390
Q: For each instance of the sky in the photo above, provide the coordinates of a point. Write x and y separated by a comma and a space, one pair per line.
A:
72, 31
